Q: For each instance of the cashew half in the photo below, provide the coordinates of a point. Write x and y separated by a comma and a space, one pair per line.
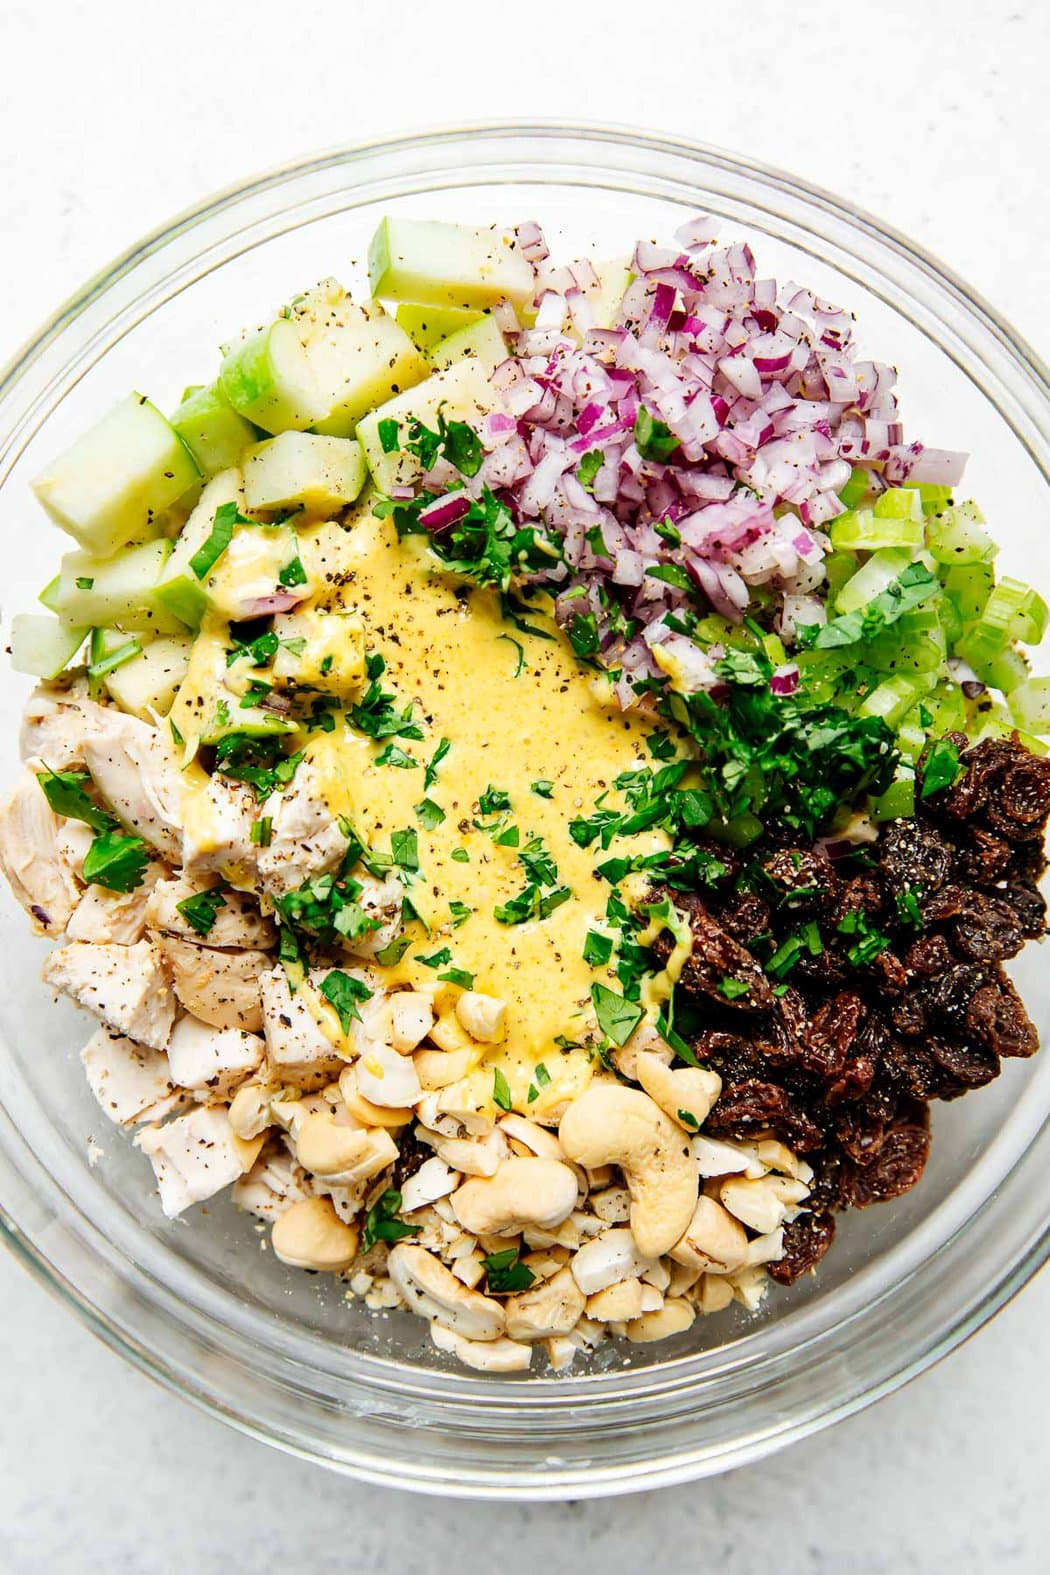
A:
310, 1235
483, 1016
363, 1109
522, 1192
434, 1293
687, 1094
672, 1318
612, 1125
485, 1356
713, 1241
342, 1154
551, 1307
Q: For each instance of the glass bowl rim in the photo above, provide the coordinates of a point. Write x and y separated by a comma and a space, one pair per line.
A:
1025, 1262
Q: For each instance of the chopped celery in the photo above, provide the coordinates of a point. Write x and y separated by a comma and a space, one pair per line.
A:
945, 706
893, 699
911, 736
1030, 705
934, 497
1008, 605
1030, 620
881, 569
898, 503
863, 530
774, 648
915, 644
1005, 671
898, 801
857, 487
957, 536
968, 587
838, 568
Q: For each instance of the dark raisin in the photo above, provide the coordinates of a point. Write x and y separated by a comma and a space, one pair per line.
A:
831, 1035
806, 1240
995, 1015
897, 1167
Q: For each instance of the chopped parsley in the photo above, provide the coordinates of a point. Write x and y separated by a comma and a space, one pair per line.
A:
227, 517
382, 1222
461, 855
116, 861
617, 1017
458, 976
257, 761
807, 939
394, 755
64, 791
914, 586
202, 909
344, 992
733, 989
654, 439
430, 774
870, 942
941, 767
484, 544
293, 573
500, 1090
589, 466
583, 635
454, 441
375, 714
394, 951
389, 439
404, 848
543, 788
493, 801
428, 813
505, 1273
460, 912
597, 949
437, 959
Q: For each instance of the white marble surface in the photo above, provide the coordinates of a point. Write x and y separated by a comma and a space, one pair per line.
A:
932, 113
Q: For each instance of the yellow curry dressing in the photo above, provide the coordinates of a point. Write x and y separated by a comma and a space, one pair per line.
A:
448, 649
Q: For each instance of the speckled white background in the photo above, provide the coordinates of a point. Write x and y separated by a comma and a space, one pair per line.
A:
932, 113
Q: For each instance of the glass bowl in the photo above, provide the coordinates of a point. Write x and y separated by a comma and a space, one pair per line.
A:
200, 1304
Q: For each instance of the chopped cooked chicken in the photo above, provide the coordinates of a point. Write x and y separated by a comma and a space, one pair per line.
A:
209, 1061
136, 774
221, 988
56, 724
30, 858
195, 1156
130, 1081
297, 1048
217, 832
305, 838
238, 923
381, 900
115, 916
73, 841
126, 986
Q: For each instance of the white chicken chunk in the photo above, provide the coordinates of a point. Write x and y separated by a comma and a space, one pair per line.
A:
221, 988
211, 1062
305, 839
381, 900
73, 841
297, 1047
237, 925
30, 858
130, 1081
126, 986
56, 724
195, 1156
217, 832
136, 774
116, 916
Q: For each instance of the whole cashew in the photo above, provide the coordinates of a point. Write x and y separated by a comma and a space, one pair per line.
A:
310, 1235
686, 1093
342, 1154
485, 1356
522, 1192
612, 1125
434, 1293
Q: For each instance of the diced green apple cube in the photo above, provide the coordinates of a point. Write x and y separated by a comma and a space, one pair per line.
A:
117, 481
207, 706
180, 592
268, 379
438, 264
426, 326
481, 342
463, 393
359, 356
119, 592
320, 475
41, 646
146, 685
215, 434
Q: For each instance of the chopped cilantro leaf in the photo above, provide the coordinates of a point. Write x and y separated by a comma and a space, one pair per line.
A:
430, 775
493, 801
404, 848
394, 755
583, 634
293, 573
543, 788
458, 976
428, 813
461, 855
227, 517
389, 441
589, 466
460, 912
436, 959
382, 1222
393, 951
